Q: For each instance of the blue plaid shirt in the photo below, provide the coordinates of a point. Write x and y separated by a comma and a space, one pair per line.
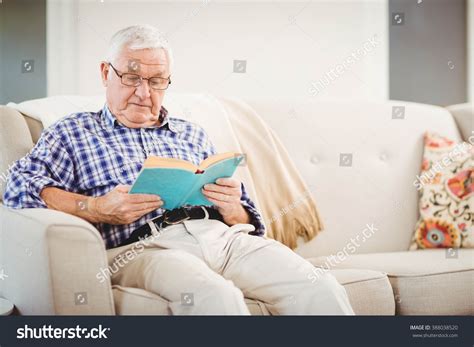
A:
90, 153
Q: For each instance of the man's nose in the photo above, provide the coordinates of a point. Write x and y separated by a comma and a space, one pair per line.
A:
143, 90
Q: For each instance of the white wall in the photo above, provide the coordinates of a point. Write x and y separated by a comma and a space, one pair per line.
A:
287, 45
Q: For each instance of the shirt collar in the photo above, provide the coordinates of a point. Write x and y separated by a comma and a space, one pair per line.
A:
112, 122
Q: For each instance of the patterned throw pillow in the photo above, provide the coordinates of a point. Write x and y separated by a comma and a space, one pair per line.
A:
446, 186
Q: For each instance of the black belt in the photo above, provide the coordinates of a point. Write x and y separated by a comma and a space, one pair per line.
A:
172, 217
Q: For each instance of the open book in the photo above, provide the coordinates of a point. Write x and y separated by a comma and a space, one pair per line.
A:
179, 182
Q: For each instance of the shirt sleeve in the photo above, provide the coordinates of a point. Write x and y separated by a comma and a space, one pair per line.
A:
48, 164
255, 217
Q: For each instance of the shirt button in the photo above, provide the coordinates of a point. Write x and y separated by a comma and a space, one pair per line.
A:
383, 157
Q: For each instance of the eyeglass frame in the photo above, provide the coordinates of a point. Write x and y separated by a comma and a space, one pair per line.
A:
140, 77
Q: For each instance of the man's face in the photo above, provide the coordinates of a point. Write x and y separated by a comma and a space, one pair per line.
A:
135, 107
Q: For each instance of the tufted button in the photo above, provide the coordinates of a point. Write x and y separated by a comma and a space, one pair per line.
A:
314, 159
383, 157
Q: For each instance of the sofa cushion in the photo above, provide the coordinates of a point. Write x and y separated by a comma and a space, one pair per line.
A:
15, 142
369, 292
464, 115
424, 282
49, 110
446, 195
136, 301
377, 185
36, 128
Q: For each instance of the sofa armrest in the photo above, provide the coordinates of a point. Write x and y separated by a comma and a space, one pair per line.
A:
51, 259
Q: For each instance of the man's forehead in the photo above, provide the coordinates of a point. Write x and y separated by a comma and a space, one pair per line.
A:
137, 66
151, 61
134, 64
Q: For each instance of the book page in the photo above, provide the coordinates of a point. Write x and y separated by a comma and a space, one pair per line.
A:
156, 162
217, 158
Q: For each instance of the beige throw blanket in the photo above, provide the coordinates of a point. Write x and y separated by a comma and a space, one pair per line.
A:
285, 200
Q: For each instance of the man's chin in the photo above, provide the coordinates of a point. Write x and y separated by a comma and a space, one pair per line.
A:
138, 120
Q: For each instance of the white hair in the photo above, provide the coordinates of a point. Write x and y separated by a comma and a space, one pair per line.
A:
137, 37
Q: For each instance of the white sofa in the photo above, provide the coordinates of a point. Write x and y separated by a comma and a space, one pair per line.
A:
51, 258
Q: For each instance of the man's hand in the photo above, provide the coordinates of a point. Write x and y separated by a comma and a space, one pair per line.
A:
119, 207
226, 194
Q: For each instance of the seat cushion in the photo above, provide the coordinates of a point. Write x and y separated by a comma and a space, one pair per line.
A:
424, 282
135, 301
369, 292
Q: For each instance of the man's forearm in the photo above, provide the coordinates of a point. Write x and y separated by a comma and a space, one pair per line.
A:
75, 204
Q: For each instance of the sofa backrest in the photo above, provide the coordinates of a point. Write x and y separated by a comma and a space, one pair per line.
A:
15, 141
377, 187
358, 161
464, 116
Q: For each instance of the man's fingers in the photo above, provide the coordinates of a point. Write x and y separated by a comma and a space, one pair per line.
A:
219, 196
142, 198
139, 213
228, 181
219, 189
222, 205
148, 207
218, 203
136, 198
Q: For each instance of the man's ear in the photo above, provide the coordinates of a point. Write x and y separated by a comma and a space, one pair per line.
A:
104, 72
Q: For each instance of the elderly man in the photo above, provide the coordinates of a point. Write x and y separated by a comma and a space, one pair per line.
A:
213, 257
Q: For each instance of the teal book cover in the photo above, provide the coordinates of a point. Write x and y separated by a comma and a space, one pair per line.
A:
179, 182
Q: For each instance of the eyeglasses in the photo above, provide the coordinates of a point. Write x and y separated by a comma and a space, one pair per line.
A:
134, 80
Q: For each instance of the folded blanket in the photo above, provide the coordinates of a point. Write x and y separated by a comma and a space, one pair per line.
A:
286, 203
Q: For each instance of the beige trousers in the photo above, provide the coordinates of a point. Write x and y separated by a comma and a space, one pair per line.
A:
204, 267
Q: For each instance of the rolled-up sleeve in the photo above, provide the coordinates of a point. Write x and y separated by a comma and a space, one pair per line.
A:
255, 218
48, 164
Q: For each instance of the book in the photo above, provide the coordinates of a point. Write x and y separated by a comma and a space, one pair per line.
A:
179, 182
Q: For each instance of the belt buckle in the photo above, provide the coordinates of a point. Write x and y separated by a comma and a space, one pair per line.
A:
177, 216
